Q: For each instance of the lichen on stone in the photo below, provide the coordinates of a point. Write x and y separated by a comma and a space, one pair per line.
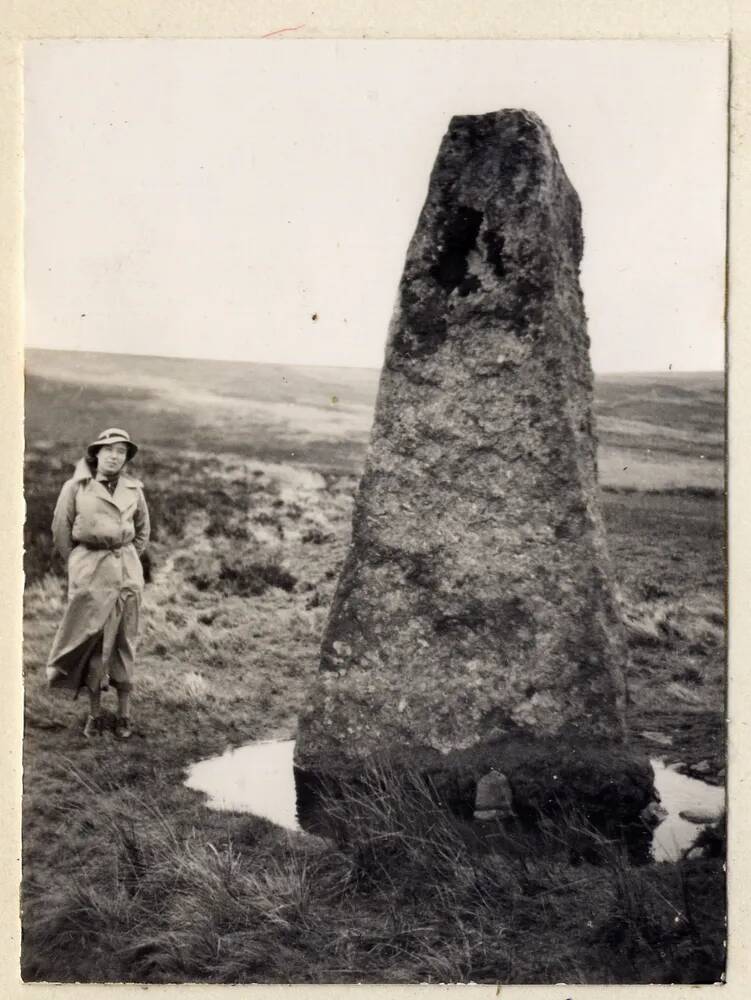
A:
475, 601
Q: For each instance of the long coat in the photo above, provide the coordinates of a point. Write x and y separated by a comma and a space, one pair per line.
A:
101, 536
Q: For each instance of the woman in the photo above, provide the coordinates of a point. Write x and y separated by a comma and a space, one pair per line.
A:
101, 527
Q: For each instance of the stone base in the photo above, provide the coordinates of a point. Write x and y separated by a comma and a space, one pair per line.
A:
597, 788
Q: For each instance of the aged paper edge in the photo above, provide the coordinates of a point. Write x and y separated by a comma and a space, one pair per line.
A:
614, 19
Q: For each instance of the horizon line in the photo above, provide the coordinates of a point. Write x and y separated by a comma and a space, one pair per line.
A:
373, 368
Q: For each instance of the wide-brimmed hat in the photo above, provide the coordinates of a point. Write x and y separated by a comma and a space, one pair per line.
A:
113, 435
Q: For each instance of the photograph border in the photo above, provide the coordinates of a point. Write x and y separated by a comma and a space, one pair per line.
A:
667, 19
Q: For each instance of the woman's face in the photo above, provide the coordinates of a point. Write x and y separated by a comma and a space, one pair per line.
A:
111, 458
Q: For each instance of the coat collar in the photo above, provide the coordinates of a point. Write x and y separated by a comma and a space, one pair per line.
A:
81, 471
122, 498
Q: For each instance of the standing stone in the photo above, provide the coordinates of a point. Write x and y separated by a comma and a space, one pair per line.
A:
475, 603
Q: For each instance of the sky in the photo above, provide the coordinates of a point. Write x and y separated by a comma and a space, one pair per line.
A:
210, 198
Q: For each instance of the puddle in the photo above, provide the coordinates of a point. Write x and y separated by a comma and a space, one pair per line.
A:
257, 778
680, 793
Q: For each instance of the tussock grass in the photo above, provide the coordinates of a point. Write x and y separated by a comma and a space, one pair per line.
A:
696, 619
403, 893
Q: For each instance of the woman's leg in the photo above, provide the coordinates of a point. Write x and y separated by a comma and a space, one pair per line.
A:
123, 729
95, 704
123, 662
95, 695
123, 704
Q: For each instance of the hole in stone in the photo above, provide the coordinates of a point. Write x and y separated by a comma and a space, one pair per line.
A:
494, 244
459, 237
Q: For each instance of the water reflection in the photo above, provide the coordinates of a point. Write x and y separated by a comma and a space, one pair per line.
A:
259, 778
680, 793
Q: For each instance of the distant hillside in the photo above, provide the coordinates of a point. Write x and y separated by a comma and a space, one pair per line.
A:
655, 431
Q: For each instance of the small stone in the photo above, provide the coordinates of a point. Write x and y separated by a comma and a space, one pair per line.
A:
703, 767
702, 817
653, 813
494, 794
662, 739
681, 693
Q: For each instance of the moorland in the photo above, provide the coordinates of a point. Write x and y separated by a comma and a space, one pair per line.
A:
250, 472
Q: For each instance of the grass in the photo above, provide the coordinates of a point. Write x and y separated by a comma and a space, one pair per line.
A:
401, 896
146, 884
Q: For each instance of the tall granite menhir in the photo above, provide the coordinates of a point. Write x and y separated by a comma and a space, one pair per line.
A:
475, 603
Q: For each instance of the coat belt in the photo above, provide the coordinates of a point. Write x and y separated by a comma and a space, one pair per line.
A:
99, 546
